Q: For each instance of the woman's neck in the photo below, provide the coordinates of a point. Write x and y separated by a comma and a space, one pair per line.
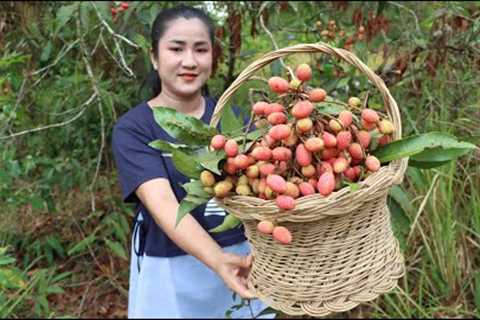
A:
194, 106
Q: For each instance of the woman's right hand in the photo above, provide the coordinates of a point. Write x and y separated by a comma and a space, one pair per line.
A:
234, 269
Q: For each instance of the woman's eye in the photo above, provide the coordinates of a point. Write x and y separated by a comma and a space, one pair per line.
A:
202, 50
176, 49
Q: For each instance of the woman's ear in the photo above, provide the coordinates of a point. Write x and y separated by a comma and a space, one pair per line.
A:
152, 59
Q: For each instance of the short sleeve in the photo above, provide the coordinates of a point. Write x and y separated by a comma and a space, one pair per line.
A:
136, 161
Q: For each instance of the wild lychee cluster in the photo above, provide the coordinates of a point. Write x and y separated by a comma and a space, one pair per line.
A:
305, 151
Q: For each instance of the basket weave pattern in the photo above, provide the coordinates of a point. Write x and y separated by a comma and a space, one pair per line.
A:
343, 251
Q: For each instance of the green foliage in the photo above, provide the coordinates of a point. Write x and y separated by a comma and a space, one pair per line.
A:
195, 188
166, 146
187, 204
186, 165
211, 160
188, 129
426, 150
230, 124
10, 277
18, 287
184, 128
228, 223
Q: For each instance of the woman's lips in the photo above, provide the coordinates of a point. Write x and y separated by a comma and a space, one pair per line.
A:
188, 76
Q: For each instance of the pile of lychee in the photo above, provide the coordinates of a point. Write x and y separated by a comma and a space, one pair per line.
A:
305, 151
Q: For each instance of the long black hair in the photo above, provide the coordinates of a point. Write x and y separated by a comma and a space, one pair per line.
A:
158, 29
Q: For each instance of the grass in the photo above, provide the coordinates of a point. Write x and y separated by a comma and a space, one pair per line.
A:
442, 252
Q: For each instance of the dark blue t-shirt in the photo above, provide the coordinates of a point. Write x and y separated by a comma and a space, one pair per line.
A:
137, 163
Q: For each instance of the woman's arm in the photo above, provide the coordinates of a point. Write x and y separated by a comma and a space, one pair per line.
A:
158, 198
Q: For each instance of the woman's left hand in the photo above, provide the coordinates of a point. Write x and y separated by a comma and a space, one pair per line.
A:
234, 269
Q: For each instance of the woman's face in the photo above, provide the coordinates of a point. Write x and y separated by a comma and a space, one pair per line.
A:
184, 61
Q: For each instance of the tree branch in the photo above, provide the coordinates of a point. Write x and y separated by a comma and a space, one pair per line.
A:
417, 25
272, 38
60, 124
102, 120
115, 35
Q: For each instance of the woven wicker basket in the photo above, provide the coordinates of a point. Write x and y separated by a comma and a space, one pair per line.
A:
343, 251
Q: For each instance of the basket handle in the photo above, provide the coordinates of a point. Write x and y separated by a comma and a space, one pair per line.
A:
389, 102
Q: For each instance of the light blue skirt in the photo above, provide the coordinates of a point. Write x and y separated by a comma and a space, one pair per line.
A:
183, 287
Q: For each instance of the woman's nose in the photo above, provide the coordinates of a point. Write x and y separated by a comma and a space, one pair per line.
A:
189, 60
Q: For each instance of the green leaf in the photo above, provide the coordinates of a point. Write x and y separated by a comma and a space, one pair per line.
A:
82, 244
400, 222
55, 244
195, 188
360, 49
197, 199
328, 70
37, 202
250, 138
11, 279
256, 134
118, 230
186, 164
5, 178
229, 222
230, 124
184, 128
116, 248
329, 107
354, 187
166, 146
46, 52
414, 145
268, 310
141, 41
380, 7
343, 82
420, 42
426, 164
104, 9
417, 178
6, 260
210, 160
9, 60
276, 68
54, 290
402, 198
122, 220
64, 14
476, 292
248, 145
187, 205
440, 155
85, 8
61, 276
473, 139
42, 301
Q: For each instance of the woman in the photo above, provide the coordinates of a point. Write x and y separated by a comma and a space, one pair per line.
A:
182, 272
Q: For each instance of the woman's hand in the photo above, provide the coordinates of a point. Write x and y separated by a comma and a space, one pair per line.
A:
234, 269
